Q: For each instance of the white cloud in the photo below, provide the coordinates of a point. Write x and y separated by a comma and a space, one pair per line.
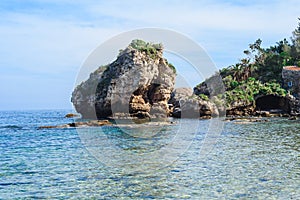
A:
212, 15
54, 37
224, 28
40, 45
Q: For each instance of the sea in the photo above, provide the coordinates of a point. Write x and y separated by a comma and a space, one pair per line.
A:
185, 159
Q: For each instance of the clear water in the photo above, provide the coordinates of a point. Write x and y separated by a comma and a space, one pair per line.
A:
248, 161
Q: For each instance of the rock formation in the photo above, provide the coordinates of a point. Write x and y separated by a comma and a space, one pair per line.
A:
138, 84
188, 105
240, 109
263, 104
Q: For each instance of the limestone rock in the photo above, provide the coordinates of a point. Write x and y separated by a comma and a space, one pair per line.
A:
240, 108
187, 105
137, 84
180, 93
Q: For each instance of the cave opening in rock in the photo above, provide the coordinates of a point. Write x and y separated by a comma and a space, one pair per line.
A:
273, 103
151, 93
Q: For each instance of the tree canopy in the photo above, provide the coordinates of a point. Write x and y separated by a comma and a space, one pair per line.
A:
259, 72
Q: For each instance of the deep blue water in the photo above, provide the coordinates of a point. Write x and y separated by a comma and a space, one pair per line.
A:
182, 161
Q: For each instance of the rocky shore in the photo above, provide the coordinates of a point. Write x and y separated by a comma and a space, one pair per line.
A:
100, 123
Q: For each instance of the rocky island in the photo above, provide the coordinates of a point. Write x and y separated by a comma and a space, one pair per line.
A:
137, 85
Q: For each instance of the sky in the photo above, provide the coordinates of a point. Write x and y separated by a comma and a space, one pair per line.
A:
45, 42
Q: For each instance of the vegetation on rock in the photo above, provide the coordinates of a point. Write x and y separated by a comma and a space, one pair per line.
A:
246, 91
172, 67
204, 97
149, 48
259, 73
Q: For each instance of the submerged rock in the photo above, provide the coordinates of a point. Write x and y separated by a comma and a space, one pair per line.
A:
293, 118
246, 120
71, 115
262, 113
92, 123
138, 84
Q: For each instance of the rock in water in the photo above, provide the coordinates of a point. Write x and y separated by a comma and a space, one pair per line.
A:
71, 115
188, 105
138, 84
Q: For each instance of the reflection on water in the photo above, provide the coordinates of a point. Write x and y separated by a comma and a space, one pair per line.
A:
248, 161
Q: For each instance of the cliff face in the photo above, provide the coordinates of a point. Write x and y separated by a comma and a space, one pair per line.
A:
138, 84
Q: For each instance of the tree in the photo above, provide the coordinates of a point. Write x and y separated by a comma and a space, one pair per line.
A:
295, 48
296, 35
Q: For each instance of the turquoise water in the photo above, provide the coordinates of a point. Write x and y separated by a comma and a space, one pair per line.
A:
247, 161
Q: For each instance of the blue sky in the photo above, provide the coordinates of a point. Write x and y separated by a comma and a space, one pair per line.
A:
44, 42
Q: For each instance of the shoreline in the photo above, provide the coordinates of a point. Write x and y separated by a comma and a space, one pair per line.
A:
84, 123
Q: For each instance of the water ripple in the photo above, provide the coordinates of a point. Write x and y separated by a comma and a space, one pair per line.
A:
249, 161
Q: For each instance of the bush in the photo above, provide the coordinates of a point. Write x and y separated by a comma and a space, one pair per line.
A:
234, 84
204, 97
147, 47
172, 67
150, 49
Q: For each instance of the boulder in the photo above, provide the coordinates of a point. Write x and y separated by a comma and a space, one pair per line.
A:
187, 105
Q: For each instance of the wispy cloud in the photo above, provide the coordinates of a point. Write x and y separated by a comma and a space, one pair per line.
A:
215, 15
48, 45
51, 38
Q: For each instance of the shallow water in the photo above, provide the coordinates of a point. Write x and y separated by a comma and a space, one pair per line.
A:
182, 161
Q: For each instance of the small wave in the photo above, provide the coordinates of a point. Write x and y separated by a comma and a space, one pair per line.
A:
16, 183
10, 127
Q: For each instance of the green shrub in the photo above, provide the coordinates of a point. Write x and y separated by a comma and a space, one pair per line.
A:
234, 84
150, 49
204, 97
147, 47
172, 67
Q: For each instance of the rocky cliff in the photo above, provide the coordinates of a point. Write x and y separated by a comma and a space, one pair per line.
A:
138, 84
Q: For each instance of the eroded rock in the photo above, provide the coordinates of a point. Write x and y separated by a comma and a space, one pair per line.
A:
187, 105
137, 84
